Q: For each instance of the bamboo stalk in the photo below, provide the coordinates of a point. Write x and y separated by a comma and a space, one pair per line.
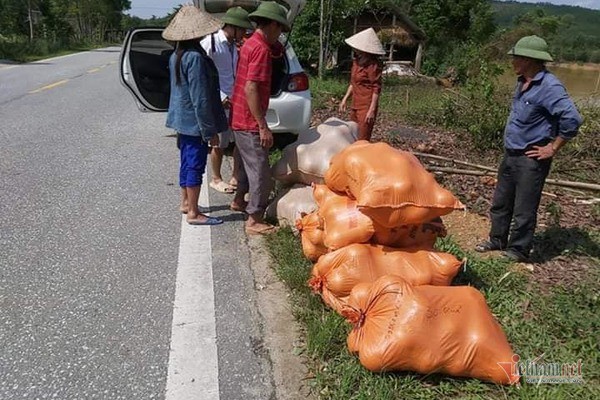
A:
455, 171
456, 161
556, 182
577, 185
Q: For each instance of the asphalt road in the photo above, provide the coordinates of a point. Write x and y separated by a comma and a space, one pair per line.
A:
90, 237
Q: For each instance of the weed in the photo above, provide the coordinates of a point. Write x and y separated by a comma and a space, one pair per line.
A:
555, 211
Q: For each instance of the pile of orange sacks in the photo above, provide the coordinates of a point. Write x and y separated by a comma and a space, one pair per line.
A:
372, 240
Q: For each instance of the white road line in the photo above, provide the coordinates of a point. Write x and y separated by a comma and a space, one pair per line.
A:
193, 365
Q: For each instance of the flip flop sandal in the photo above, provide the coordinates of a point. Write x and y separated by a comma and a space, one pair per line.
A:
233, 185
208, 221
264, 230
221, 187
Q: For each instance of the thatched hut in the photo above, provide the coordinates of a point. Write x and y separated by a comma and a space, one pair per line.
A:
401, 37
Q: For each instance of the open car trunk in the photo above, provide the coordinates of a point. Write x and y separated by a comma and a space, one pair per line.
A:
149, 66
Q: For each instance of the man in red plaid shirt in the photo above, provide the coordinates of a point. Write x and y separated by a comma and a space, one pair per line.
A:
250, 102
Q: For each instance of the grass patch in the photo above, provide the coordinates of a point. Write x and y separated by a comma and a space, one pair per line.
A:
328, 91
21, 50
562, 324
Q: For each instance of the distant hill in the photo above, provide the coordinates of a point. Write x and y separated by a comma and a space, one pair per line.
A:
578, 42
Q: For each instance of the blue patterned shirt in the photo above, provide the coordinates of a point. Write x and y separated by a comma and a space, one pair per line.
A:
541, 112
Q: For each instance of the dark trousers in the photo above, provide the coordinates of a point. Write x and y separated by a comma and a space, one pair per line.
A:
516, 199
254, 175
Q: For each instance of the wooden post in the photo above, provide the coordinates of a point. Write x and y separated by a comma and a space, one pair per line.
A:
321, 49
30, 20
391, 58
418, 57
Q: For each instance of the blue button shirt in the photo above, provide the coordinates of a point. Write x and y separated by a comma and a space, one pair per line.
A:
541, 112
195, 107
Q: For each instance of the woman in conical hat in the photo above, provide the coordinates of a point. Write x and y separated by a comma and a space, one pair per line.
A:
365, 81
195, 109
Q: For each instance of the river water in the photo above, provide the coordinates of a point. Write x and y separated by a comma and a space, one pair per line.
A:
581, 81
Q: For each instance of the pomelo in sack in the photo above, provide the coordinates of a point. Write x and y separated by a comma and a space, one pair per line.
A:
390, 185
311, 231
307, 159
336, 273
427, 329
291, 204
343, 222
422, 235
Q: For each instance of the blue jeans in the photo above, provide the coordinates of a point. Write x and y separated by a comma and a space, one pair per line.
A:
193, 154
516, 200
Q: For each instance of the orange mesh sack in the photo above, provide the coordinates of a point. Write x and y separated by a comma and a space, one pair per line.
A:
423, 235
427, 329
312, 235
336, 273
343, 223
307, 159
390, 186
291, 204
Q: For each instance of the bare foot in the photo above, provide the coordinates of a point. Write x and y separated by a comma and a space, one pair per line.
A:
202, 219
240, 207
260, 228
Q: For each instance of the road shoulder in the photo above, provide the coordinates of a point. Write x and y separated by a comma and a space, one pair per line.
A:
282, 334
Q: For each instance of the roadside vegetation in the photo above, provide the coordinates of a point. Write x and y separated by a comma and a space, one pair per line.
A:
35, 29
559, 321
547, 307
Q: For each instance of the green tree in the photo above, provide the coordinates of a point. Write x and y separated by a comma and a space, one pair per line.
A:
13, 18
449, 25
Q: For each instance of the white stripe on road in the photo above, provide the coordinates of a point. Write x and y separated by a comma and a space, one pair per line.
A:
193, 366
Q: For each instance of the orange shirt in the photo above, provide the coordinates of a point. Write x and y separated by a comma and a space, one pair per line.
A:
365, 81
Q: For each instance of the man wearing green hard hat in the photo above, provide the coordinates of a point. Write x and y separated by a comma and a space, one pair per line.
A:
542, 119
221, 47
250, 102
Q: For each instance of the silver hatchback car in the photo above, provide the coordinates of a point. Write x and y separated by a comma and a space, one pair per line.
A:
144, 72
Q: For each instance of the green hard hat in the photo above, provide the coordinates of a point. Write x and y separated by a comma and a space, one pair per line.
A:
532, 47
237, 16
273, 11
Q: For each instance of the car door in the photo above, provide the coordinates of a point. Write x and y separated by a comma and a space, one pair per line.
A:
144, 68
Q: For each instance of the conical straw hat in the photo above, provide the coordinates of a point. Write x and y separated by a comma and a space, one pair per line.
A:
190, 23
366, 41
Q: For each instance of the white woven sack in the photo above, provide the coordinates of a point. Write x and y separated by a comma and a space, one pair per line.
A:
307, 159
289, 205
